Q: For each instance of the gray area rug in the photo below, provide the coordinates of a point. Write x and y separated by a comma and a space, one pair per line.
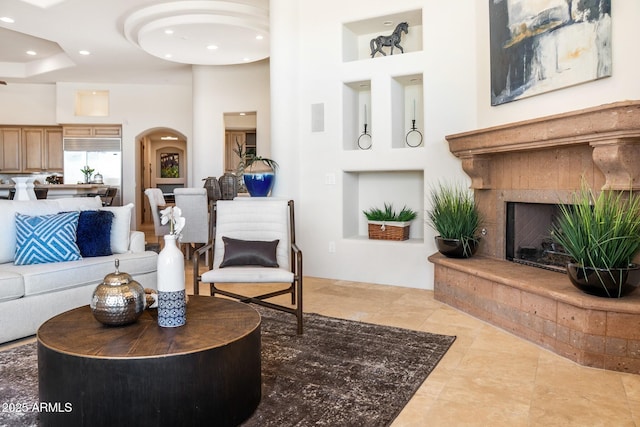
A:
339, 373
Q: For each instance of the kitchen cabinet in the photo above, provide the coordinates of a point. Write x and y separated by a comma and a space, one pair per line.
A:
55, 149
31, 149
10, 150
42, 149
93, 131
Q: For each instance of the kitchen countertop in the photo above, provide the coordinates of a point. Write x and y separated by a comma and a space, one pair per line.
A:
57, 191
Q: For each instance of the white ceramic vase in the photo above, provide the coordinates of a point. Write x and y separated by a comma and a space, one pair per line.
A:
24, 189
172, 306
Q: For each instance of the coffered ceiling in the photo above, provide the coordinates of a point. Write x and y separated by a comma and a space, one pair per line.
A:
127, 41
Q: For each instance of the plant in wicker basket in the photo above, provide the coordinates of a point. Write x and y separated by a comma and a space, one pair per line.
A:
388, 224
455, 216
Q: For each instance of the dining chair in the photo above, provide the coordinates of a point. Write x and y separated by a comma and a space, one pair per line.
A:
157, 203
254, 243
194, 204
109, 196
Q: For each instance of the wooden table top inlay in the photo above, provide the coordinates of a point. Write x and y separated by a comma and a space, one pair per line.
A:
211, 322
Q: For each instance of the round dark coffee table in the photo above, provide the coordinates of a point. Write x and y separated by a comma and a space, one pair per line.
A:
206, 372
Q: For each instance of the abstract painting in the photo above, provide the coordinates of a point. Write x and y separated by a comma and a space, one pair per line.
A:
542, 45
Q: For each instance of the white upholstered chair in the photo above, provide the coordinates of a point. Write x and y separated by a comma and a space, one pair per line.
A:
156, 203
194, 204
254, 243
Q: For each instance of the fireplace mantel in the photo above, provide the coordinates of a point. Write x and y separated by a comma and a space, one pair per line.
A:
545, 160
612, 132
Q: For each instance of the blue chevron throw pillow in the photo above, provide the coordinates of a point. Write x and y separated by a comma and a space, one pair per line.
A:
46, 238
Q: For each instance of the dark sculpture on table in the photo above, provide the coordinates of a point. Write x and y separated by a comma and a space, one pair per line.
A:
393, 40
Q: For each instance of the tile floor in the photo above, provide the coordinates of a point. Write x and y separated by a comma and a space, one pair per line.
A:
488, 377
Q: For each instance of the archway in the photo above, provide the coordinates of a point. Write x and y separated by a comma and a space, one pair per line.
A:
161, 161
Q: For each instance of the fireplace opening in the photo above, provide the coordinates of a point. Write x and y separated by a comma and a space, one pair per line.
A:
528, 236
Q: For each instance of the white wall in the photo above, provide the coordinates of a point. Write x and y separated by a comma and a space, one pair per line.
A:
455, 64
623, 84
284, 86
28, 104
226, 89
319, 77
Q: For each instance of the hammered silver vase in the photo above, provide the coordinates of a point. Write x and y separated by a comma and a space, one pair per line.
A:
118, 300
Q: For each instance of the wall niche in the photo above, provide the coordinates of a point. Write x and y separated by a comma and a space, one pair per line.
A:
357, 112
366, 189
407, 106
357, 35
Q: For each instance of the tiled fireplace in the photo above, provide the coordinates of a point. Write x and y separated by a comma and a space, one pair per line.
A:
538, 163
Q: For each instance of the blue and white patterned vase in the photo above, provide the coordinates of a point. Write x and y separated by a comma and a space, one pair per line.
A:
172, 303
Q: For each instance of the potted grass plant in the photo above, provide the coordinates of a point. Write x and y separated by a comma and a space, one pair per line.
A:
389, 224
455, 217
601, 233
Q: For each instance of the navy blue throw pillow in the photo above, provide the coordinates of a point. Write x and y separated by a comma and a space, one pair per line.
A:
94, 233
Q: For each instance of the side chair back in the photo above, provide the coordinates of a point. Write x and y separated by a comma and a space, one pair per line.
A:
250, 220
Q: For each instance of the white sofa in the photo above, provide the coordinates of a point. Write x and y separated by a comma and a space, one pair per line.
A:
31, 294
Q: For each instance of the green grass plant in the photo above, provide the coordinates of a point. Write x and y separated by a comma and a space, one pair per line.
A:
600, 231
453, 213
388, 213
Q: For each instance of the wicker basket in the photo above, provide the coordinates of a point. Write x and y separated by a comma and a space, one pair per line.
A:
381, 230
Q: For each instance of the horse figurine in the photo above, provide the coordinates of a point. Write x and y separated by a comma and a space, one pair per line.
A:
393, 40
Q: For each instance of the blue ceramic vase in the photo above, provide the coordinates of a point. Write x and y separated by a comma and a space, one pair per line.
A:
259, 184
259, 178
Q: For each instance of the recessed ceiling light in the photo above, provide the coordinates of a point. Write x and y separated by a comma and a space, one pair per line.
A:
243, 114
259, 37
245, 59
84, 52
212, 47
169, 138
168, 31
168, 55
31, 52
7, 20
387, 23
